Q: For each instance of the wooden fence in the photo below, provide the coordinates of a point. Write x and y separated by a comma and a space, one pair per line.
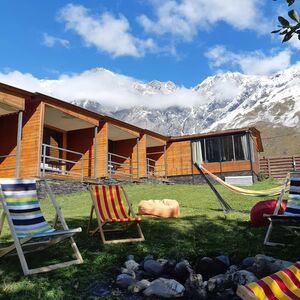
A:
278, 167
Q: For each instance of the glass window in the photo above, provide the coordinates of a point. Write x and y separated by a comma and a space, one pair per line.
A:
226, 148
240, 147
212, 149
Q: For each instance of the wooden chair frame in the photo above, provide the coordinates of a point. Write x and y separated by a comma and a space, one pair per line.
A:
287, 222
101, 225
39, 242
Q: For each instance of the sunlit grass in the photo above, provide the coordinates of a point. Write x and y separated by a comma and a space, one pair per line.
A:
202, 229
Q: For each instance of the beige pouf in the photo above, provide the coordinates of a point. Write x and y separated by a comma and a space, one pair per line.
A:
165, 208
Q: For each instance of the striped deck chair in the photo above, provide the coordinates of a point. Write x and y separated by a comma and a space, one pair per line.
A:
284, 284
108, 203
29, 229
291, 217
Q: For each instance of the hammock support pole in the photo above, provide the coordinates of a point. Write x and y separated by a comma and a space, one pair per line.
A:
225, 206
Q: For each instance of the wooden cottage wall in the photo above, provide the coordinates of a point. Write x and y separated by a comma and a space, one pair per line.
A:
142, 155
179, 160
32, 136
81, 141
102, 150
127, 148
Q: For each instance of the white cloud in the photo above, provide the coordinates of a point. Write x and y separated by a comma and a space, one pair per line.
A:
184, 18
109, 89
251, 63
51, 41
106, 32
294, 42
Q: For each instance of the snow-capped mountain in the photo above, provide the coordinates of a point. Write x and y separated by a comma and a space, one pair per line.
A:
226, 100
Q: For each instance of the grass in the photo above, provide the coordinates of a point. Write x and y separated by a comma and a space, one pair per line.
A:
202, 229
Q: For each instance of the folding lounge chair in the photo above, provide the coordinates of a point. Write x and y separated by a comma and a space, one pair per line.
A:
284, 284
108, 203
29, 229
291, 217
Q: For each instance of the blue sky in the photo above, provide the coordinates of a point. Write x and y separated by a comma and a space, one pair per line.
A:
183, 41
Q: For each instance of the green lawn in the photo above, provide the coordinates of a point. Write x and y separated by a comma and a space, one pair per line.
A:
202, 229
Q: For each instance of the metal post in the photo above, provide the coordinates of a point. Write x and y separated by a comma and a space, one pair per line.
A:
130, 168
250, 154
19, 137
82, 162
165, 159
95, 152
147, 167
109, 167
44, 158
138, 158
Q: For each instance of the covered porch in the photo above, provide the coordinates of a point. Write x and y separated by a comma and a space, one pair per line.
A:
68, 148
11, 117
123, 153
156, 161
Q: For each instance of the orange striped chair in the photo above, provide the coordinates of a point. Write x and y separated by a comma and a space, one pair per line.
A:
111, 213
284, 284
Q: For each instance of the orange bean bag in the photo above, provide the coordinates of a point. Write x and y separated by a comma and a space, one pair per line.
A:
165, 208
264, 207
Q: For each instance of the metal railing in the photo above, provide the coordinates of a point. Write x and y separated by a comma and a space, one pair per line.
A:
8, 168
62, 166
154, 169
121, 166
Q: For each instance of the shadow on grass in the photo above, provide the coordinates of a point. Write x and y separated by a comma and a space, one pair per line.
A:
187, 237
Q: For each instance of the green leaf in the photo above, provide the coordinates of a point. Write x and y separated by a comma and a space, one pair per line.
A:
275, 31
299, 36
290, 2
284, 22
284, 32
293, 15
287, 37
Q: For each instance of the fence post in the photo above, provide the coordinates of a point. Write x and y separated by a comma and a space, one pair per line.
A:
269, 167
294, 163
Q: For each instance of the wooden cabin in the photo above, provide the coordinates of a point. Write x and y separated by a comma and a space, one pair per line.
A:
44, 136
128, 149
228, 152
12, 104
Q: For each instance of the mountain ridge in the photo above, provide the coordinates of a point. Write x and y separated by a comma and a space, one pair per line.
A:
223, 101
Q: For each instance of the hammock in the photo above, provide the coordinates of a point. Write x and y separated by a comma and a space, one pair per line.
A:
262, 193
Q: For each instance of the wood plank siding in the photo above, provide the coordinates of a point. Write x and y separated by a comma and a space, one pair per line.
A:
32, 135
179, 158
12, 100
142, 155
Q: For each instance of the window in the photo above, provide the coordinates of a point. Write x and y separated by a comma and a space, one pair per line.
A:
226, 148
222, 148
212, 149
241, 147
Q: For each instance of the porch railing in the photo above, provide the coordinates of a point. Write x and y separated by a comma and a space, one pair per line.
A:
61, 166
8, 168
154, 169
121, 166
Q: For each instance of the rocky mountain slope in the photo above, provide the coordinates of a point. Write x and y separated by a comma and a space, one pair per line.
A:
226, 100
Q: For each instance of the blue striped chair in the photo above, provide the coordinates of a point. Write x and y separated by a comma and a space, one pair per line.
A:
291, 217
29, 229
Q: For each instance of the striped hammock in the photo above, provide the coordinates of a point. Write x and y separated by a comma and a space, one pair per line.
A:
262, 193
